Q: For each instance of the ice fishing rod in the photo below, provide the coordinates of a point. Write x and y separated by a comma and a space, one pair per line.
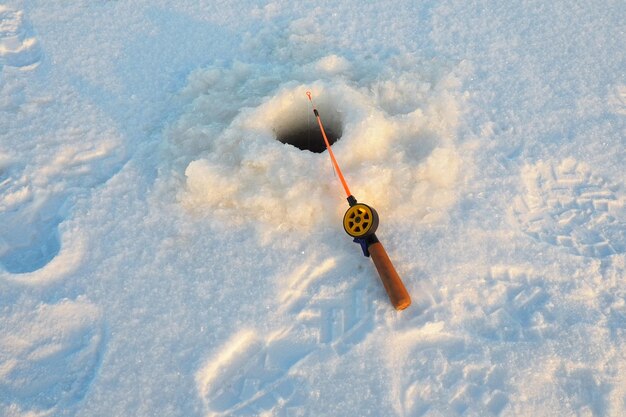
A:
361, 222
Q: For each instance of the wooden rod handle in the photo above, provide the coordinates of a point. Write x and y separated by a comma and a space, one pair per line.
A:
398, 295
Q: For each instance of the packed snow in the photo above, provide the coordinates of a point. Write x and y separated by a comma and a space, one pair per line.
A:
166, 250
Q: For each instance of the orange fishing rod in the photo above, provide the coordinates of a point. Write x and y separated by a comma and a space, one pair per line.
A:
360, 222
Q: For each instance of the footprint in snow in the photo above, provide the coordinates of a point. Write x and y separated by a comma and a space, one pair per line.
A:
567, 206
29, 219
19, 48
515, 306
48, 356
35, 199
443, 376
29, 237
251, 375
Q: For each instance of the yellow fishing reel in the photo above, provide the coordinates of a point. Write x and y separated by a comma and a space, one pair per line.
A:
360, 220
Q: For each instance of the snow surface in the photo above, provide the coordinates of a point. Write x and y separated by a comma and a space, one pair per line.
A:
163, 254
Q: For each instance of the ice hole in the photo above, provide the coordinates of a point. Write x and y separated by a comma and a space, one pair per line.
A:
298, 127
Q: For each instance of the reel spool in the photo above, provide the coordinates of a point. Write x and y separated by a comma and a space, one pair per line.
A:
360, 220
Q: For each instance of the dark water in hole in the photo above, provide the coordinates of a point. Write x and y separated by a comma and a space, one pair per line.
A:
309, 139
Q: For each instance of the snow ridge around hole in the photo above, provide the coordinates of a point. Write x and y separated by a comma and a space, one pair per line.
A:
405, 163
